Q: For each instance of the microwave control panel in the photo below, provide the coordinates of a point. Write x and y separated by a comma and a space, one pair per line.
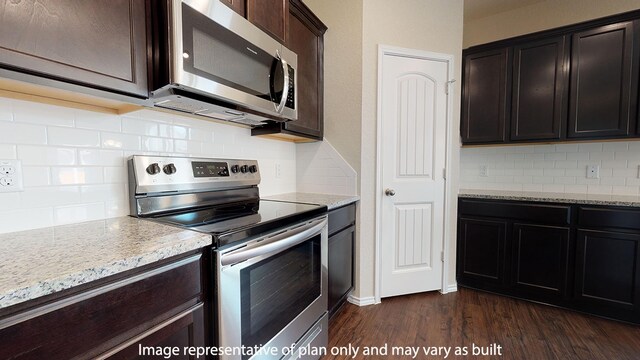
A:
291, 101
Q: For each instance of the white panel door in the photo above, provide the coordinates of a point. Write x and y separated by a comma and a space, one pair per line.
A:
413, 122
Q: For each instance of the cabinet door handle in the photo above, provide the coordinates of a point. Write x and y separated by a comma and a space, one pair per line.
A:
389, 192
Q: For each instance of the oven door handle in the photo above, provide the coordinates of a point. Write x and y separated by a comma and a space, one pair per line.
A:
275, 244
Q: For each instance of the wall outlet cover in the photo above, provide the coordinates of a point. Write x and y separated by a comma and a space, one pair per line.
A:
10, 176
484, 170
593, 171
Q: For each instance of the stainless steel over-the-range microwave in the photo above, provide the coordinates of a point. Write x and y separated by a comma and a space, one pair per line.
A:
211, 61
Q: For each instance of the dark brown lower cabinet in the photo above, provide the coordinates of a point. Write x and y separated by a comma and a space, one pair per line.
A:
161, 306
481, 250
341, 250
582, 257
608, 271
540, 263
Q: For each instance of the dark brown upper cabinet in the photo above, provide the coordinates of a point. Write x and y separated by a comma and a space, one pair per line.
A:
271, 16
539, 89
484, 97
99, 44
305, 38
237, 6
602, 82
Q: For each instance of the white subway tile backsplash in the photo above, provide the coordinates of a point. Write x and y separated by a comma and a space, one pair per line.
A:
9, 201
578, 156
556, 188
115, 175
36, 176
29, 112
46, 155
99, 157
139, 127
76, 175
8, 151
6, 110
74, 161
601, 156
566, 148
590, 147
25, 219
78, 213
73, 137
555, 156
188, 147
555, 168
615, 146
120, 141
50, 196
14, 133
617, 181
97, 121
157, 144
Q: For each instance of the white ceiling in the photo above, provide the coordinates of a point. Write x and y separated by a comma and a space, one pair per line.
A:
476, 9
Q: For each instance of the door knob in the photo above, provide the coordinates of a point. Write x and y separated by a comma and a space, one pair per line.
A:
389, 192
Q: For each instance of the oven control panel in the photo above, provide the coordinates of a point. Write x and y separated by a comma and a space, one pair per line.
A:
209, 169
151, 174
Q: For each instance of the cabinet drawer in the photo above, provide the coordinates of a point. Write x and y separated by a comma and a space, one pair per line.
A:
103, 317
341, 218
591, 217
535, 212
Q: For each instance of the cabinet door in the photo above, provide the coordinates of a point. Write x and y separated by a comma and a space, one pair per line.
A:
601, 102
341, 247
182, 331
538, 100
99, 43
608, 273
540, 262
236, 5
271, 16
484, 98
481, 251
305, 39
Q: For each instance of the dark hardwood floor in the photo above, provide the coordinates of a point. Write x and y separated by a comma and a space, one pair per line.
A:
523, 329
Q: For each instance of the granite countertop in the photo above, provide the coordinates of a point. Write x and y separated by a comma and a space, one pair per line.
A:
39, 262
331, 201
592, 199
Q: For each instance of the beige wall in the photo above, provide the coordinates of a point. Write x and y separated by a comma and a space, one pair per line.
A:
342, 74
541, 16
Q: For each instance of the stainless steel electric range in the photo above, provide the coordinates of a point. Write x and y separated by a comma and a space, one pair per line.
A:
270, 257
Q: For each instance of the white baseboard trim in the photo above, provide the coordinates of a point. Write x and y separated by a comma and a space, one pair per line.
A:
370, 300
452, 288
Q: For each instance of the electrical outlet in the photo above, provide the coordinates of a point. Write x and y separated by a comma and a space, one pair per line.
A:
278, 171
10, 176
484, 170
593, 171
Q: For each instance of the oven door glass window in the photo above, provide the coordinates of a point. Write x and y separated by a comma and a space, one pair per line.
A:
274, 291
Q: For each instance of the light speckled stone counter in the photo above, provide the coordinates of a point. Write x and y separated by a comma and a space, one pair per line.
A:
331, 201
592, 199
39, 262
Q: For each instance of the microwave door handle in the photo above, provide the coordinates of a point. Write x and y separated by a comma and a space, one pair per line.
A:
276, 245
285, 90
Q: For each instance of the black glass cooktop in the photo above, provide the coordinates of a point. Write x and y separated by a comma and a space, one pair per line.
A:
239, 221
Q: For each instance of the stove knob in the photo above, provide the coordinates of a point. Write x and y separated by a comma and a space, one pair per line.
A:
244, 168
153, 169
235, 168
169, 169
253, 169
